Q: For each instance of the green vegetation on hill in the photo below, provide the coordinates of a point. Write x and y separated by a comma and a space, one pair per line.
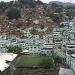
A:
14, 49
70, 12
13, 13
55, 18
31, 3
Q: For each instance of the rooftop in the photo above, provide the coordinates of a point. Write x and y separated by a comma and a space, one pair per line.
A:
4, 57
64, 71
73, 55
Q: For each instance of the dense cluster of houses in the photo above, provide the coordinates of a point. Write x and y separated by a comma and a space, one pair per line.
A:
61, 42
65, 42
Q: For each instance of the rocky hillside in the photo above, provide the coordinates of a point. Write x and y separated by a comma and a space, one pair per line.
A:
38, 18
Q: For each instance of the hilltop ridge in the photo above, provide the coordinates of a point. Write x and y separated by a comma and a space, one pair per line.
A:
67, 4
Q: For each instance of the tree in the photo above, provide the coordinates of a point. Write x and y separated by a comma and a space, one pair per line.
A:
13, 13
55, 18
70, 13
3, 6
31, 3
62, 25
57, 60
39, 2
59, 9
53, 6
10, 4
14, 49
42, 26
33, 31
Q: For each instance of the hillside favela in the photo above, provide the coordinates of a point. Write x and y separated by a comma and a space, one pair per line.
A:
37, 37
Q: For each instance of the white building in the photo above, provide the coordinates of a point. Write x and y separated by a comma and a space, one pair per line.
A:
4, 57
72, 65
48, 49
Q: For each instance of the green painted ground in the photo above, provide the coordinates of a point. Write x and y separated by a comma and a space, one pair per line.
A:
30, 61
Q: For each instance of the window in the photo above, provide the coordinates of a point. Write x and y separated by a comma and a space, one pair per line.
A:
34, 47
48, 41
70, 47
47, 51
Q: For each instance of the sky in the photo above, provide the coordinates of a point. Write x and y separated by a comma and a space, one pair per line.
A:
46, 1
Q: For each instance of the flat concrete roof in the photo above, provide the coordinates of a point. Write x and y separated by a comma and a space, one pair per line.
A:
73, 55
6, 57
64, 71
